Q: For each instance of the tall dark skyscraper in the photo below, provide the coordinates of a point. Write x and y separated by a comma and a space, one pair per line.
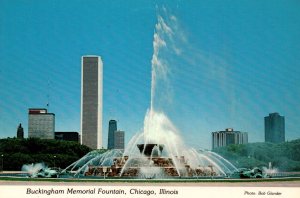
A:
274, 128
91, 101
112, 127
20, 132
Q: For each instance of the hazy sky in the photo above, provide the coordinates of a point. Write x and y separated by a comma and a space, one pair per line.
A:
229, 63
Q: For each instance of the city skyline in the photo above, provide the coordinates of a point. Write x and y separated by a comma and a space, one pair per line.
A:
235, 64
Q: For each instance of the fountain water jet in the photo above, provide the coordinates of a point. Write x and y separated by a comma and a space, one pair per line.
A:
39, 170
158, 151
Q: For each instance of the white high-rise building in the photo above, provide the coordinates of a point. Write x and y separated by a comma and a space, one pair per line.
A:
227, 137
91, 101
41, 124
119, 138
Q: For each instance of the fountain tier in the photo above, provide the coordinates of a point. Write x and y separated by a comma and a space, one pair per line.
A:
147, 166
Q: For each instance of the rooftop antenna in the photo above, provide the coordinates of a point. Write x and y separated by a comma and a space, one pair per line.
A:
48, 96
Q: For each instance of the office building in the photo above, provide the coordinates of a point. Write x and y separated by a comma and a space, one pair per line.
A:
119, 139
274, 128
91, 101
20, 132
112, 127
67, 136
41, 124
227, 137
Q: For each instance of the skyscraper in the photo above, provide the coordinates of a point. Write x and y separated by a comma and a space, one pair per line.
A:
112, 127
274, 128
119, 139
227, 137
41, 124
20, 132
91, 101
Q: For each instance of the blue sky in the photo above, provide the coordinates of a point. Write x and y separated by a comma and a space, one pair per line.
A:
239, 61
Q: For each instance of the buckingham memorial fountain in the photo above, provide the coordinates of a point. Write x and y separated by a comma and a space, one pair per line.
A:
158, 150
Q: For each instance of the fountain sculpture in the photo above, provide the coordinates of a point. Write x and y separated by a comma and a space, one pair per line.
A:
158, 151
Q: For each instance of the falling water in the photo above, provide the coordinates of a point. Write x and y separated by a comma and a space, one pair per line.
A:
158, 128
32, 169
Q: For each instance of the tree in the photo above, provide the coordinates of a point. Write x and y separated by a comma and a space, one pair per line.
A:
33, 150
